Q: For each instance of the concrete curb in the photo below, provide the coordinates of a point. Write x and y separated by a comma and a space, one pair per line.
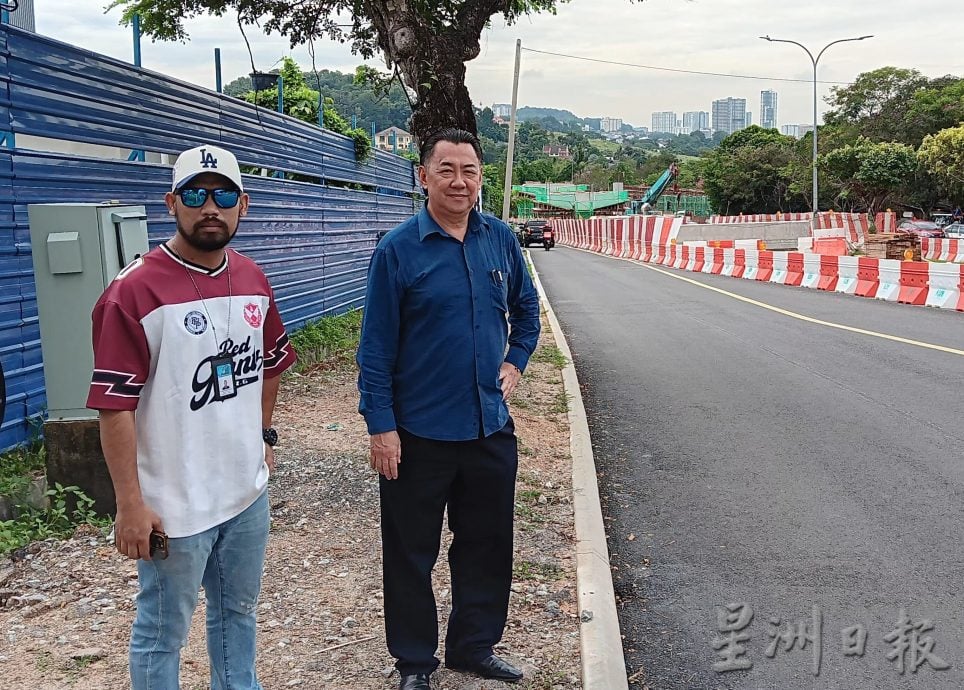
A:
603, 666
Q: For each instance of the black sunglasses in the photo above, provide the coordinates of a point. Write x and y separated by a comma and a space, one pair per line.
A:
196, 197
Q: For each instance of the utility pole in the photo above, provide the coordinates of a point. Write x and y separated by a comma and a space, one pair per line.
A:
507, 191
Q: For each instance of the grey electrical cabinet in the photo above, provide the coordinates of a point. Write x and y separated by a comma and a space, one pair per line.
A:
77, 251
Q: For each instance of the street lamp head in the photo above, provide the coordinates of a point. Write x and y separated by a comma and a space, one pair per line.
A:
863, 37
766, 38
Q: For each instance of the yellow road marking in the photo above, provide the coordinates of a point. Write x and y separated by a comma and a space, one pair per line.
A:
808, 319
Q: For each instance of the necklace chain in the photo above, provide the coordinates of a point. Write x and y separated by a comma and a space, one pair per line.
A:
214, 329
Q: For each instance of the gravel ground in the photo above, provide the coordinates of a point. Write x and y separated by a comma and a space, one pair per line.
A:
66, 606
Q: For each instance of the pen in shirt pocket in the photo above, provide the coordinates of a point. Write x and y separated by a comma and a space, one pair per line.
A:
497, 276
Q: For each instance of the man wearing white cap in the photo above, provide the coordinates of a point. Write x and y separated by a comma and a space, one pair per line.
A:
188, 351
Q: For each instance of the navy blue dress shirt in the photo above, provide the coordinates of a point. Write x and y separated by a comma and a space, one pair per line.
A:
435, 332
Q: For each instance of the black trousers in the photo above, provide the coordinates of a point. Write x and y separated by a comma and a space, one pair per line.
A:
476, 481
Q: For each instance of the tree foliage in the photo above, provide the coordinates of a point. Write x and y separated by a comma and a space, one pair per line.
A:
426, 43
867, 151
873, 175
893, 104
350, 99
876, 102
747, 173
942, 154
300, 101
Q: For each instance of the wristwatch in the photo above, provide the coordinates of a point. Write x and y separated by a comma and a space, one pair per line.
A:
270, 436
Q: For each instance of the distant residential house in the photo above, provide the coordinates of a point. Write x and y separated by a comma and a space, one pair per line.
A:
556, 151
394, 139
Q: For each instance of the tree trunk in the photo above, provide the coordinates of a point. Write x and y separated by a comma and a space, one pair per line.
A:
431, 61
446, 103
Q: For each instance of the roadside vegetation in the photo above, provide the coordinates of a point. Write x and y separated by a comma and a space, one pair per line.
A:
892, 139
38, 512
329, 341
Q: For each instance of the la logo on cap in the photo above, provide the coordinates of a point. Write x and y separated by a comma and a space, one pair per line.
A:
208, 160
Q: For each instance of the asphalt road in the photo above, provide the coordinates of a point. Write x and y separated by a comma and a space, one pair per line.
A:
750, 458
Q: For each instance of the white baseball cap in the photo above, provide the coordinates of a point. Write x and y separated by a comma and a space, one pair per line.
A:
206, 159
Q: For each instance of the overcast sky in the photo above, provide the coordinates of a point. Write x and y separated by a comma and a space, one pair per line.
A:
702, 35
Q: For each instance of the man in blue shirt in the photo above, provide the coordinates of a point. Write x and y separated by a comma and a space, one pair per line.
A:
451, 319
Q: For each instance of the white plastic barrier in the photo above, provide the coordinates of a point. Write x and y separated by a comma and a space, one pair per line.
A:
752, 264
805, 244
710, 254
811, 271
607, 235
889, 288
780, 263
847, 271
944, 285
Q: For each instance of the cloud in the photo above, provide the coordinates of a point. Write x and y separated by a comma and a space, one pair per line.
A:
703, 35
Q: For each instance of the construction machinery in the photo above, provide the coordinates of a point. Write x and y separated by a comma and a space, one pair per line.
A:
648, 201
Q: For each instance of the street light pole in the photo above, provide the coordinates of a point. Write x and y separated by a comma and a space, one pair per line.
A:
814, 60
507, 189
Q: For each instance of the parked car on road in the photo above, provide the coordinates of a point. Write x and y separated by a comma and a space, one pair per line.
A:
532, 232
920, 228
954, 231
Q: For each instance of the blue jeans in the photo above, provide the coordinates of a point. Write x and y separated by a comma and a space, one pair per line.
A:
227, 560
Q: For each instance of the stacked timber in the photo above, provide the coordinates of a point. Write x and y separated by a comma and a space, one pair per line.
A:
891, 246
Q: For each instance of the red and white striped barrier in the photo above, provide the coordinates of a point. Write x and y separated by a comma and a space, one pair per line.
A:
853, 226
653, 239
886, 222
942, 249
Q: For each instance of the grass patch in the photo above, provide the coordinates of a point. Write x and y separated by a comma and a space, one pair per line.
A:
527, 570
526, 505
67, 508
529, 495
552, 355
19, 467
560, 404
330, 340
545, 680
520, 403
39, 514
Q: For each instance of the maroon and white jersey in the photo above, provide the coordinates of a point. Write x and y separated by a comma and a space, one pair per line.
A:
193, 370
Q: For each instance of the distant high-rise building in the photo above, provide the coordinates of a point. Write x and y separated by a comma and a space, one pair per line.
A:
790, 130
747, 118
729, 115
610, 124
695, 120
805, 130
502, 110
664, 121
22, 16
768, 109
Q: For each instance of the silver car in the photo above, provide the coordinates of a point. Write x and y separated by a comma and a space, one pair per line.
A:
954, 231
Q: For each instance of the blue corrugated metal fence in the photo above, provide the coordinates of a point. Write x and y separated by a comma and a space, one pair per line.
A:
313, 239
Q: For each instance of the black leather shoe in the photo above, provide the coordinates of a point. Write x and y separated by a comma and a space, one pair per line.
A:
416, 681
492, 668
